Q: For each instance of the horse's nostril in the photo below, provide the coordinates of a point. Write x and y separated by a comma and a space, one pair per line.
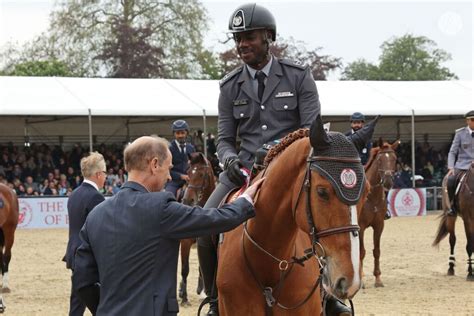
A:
341, 287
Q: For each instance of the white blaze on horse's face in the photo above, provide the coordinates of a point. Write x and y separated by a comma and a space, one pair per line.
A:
355, 255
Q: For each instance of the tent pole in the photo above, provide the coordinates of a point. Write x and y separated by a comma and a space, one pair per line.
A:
90, 131
413, 146
204, 132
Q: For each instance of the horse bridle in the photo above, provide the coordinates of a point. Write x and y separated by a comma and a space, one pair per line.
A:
382, 172
199, 189
315, 235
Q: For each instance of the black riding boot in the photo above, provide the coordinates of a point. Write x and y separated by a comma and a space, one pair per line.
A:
208, 265
451, 186
334, 307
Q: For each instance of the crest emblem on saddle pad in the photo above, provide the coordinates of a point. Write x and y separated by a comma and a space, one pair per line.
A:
348, 178
238, 22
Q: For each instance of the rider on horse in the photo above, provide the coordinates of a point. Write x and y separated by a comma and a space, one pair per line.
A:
357, 122
180, 150
460, 157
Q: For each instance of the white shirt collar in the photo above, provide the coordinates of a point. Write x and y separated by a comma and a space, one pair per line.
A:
91, 183
470, 130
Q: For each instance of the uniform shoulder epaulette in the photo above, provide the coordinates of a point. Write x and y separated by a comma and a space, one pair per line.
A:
293, 63
460, 129
230, 75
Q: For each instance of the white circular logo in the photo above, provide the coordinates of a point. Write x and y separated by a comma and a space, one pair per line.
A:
348, 178
237, 20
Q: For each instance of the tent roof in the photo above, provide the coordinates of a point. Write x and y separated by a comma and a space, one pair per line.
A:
164, 97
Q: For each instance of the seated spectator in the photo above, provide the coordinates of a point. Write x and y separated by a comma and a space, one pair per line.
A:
29, 183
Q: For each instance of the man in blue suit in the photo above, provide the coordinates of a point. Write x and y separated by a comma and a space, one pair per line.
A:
80, 203
180, 150
358, 122
127, 262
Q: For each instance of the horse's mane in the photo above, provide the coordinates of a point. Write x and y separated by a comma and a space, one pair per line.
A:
284, 143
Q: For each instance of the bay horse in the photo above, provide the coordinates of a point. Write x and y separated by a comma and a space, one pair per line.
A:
465, 199
379, 172
305, 233
199, 188
8, 222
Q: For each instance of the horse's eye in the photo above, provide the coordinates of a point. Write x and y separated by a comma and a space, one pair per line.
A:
323, 193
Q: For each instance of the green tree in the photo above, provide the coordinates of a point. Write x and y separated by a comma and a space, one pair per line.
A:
49, 68
321, 65
127, 38
404, 58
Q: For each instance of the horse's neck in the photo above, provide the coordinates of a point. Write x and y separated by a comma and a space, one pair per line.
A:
274, 226
373, 176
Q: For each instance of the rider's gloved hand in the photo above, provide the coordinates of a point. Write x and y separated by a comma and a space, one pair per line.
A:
233, 165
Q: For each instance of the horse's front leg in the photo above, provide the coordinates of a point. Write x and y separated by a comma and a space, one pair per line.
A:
452, 258
183, 291
377, 236
469, 228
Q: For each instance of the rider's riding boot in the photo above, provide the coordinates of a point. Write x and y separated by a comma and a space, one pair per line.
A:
213, 308
334, 307
451, 188
452, 210
387, 215
208, 265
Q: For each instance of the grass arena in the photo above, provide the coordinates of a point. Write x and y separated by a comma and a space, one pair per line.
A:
414, 273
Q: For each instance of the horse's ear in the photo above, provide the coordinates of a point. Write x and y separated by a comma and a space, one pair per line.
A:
317, 135
396, 144
190, 156
380, 142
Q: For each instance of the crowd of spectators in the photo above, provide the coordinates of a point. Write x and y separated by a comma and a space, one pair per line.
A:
42, 170
49, 170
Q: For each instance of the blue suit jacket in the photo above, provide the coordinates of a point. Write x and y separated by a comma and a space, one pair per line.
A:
180, 160
130, 246
80, 203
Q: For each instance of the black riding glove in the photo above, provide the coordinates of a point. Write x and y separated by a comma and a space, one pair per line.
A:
234, 173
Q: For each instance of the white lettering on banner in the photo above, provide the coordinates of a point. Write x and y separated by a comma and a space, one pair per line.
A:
407, 202
43, 213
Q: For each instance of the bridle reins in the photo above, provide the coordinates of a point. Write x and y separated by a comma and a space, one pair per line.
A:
285, 266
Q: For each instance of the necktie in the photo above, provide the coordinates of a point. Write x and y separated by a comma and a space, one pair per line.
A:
472, 134
182, 147
260, 75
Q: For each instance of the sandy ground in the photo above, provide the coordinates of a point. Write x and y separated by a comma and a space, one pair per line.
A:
414, 274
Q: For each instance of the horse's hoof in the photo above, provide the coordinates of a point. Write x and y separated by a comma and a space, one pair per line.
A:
379, 284
185, 303
6, 290
450, 272
470, 277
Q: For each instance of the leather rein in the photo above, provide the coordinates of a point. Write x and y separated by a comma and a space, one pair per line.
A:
285, 266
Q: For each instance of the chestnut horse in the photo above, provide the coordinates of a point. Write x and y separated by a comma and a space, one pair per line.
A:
305, 223
379, 172
465, 202
8, 223
200, 186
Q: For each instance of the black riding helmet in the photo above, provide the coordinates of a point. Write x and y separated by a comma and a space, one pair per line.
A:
250, 17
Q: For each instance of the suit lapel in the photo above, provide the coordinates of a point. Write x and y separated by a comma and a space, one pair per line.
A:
273, 80
246, 84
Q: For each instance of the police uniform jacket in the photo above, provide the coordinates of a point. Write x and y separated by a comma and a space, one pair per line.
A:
290, 101
130, 247
461, 153
79, 205
180, 160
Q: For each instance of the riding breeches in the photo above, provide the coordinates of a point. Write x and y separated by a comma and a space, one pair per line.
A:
207, 245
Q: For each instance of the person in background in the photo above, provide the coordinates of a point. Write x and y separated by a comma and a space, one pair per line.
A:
79, 205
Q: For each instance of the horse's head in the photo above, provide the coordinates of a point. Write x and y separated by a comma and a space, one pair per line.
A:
201, 180
385, 162
335, 187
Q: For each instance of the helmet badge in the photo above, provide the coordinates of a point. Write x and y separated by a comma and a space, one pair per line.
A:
238, 22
